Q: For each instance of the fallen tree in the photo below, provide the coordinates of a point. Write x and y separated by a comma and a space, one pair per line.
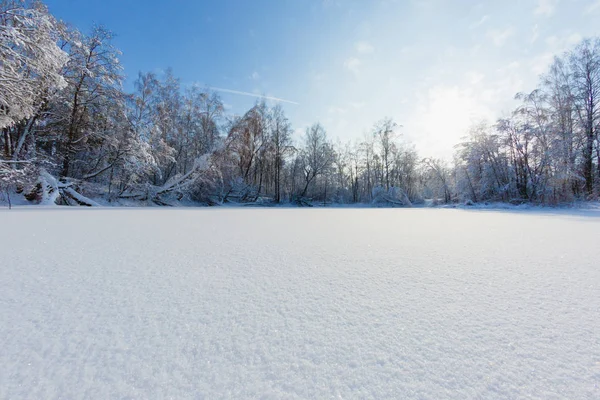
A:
395, 197
51, 191
179, 185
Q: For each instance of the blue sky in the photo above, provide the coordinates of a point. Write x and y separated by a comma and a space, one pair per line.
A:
434, 66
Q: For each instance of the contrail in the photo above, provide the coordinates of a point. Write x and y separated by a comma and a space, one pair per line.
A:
252, 95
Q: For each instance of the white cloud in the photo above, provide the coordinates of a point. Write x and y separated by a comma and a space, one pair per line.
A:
482, 21
242, 93
475, 50
423, 4
545, 7
255, 76
357, 105
555, 46
540, 63
559, 44
592, 7
352, 64
337, 110
317, 76
499, 37
364, 47
300, 131
534, 34
474, 77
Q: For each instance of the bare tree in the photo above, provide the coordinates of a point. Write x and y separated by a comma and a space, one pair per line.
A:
585, 66
385, 133
317, 155
281, 143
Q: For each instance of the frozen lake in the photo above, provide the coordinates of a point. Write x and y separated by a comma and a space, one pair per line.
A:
299, 303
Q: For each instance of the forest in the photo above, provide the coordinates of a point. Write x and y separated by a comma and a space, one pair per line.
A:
71, 135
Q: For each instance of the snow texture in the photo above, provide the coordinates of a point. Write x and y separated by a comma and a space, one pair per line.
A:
299, 303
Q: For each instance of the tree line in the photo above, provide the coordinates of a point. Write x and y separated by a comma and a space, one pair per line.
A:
548, 149
70, 134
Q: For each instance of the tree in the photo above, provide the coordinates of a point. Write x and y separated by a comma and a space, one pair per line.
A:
31, 61
94, 81
585, 66
384, 133
281, 143
561, 101
317, 155
439, 172
248, 140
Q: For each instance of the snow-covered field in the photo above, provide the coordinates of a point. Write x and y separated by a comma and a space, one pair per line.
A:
299, 303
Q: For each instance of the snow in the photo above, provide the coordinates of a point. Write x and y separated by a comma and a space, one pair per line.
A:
299, 303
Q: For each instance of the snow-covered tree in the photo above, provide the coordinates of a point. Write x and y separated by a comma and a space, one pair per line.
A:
316, 155
31, 61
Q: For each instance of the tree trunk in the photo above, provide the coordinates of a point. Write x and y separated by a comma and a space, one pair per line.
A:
6, 142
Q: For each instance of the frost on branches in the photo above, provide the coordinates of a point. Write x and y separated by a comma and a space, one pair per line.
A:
31, 59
